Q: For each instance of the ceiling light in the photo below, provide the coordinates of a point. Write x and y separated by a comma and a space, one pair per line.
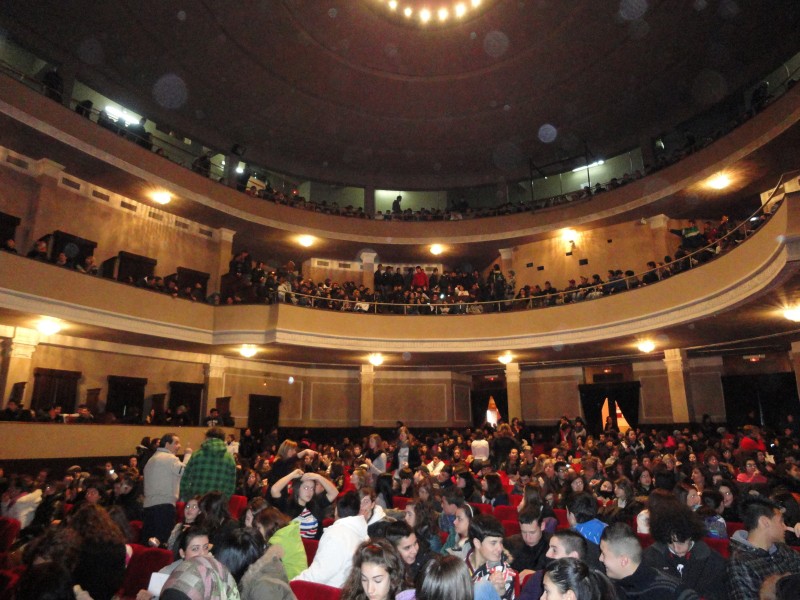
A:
375, 359
408, 11
476, 3
646, 346
793, 314
393, 4
719, 181
596, 163
443, 14
161, 197
305, 240
461, 9
248, 350
424, 15
240, 170
48, 327
569, 236
436, 249
505, 358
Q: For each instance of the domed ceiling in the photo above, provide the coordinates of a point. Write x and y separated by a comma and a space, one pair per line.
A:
350, 91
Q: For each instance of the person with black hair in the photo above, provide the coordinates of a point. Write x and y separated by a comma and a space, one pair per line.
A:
621, 553
573, 575
582, 516
564, 543
406, 543
377, 573
487, 560
759, 550
258, 571
679, 550
444, 578
528, 548
333, 561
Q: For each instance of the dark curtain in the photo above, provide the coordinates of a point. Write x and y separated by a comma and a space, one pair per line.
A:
594, 395
761, 399
53, 387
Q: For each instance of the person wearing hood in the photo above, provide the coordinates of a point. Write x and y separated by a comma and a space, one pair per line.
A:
212, 468
759, 550
334, 558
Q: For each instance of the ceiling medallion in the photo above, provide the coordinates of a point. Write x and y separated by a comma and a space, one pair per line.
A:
430, 13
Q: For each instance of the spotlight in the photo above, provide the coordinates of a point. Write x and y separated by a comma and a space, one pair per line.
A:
793, 314
425, 15
161, 197
719, 181
505, 358
646, 346
48, 327
248, 350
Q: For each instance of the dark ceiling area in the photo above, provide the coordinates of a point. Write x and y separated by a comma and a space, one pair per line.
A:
339, 91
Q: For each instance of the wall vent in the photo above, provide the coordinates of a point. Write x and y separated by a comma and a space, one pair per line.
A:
101, 195
70, 184
128, 206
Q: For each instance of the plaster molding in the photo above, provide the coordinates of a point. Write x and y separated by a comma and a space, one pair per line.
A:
512, 373
216, 366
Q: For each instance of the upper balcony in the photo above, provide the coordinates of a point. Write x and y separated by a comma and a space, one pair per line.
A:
754, 152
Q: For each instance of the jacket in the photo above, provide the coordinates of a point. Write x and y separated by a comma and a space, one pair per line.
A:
265, 578
704, 571
211, 469
334, 558
749, 565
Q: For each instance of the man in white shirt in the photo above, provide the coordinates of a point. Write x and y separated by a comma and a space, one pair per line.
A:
334, 557
162, 479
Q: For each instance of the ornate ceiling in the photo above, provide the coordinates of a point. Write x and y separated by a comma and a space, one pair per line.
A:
342, 92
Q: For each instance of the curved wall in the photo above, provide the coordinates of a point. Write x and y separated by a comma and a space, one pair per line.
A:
45, 116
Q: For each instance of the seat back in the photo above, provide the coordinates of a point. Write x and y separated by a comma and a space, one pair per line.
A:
733, 527
237, 505
9, 528
561, 517
720, 545
400, 502
144, 562
136, 531
311, 549
510, 527
179, 507
484, 509
515, 499
8, 581
305, 590
645, 539
506, 513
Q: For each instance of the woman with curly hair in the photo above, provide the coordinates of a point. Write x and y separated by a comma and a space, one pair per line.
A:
680, 551
101, 562
377, 573
423, 519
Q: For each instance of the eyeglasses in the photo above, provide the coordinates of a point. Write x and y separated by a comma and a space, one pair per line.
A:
205, 547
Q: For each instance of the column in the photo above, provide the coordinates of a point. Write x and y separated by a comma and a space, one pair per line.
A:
214, 372
369, 199
367, 378
368, 269
19, 355
506, 254
224, 255
513, 391
231, 162
68, 73
680, 393
794, 356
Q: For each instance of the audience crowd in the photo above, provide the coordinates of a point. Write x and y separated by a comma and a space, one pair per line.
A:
694, 512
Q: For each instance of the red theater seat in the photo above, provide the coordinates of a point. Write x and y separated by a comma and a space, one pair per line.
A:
237, 505
144, 562
9, 528
305, 590
311, 549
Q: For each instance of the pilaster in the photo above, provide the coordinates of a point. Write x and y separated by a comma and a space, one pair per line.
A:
367, 379
18, 361
513, 391
680, 392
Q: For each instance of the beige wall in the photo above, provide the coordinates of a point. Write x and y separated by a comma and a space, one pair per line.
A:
549, 393
96, 366
20, 441
705, 380
654, 401
17, 198
632, 246
113, 230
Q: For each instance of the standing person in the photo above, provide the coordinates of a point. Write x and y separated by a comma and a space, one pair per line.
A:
759, 550
396, 210
212, 468
406, 454
162, 480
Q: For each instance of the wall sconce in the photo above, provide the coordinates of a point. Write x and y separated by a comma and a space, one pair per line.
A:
505, 358
375, 359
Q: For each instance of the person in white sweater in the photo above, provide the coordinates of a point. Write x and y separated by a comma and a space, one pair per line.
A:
334, 557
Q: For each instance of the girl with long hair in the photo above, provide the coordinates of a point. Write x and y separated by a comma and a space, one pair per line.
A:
573, 575
377, 574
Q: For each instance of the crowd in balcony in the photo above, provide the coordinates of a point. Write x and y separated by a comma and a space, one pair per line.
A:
416, 292
506, 511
